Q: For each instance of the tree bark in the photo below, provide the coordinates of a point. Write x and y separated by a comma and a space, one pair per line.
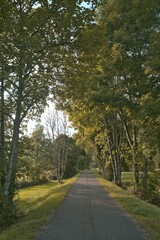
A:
60, 156
10, 177
145, 171
134, 148
2, 124
112, 160
134, 158
9, 185
113, 146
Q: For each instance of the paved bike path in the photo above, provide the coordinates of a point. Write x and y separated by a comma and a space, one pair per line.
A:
89, 213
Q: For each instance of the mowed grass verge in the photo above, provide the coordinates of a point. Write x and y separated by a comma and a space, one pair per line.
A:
146, 215
37, 203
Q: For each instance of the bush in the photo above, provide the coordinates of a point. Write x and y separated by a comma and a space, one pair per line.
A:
151, 192
10, 215
70, 171
108, 172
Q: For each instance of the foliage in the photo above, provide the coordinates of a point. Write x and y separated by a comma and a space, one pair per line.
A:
76, 159
10, 216
152, 192
102, 69
112, 97
35, 161
68, 157
39, 157
108, 172
60, 149
34, 38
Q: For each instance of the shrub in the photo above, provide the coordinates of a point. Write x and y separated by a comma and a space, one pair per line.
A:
151, 192
9, 215
108, 174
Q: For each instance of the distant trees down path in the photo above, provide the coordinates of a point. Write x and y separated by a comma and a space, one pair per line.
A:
41, 159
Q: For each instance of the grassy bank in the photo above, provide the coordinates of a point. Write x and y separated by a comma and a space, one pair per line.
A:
146, 215
37, 203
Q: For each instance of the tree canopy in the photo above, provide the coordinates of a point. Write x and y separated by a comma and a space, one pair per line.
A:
112, 96
34, 38
100, 62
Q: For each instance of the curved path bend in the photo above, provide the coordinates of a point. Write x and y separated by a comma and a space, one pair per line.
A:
89, 213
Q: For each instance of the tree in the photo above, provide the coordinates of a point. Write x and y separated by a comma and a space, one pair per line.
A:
130, 45
41, 155
1, 125
77, 159
121, 76
55, 122
34, 37
22, 57
35, 160
68, 157
60, 149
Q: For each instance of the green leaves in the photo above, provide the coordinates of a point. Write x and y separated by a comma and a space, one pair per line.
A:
115, 70
34, 37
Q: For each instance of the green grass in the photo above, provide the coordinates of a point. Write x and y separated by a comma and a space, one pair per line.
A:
37, 203
128, 179
145, 214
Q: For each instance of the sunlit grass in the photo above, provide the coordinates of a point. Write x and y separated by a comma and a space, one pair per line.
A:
128, 179
146, 215
37, 203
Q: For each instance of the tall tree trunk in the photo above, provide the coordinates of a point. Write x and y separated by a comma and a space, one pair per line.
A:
116, 151
9, 185
9, 188
112, 140
118, 168
134, 148
135, 159
111, 156
145, 170
1, 125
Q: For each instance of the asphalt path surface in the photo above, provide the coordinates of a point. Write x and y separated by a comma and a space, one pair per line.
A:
89, 213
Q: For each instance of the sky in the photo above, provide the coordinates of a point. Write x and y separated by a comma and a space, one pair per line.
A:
51, 107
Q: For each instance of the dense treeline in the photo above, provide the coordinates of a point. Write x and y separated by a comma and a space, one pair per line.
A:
113, 95
34, 38
103, 68
41, 160
38, 160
